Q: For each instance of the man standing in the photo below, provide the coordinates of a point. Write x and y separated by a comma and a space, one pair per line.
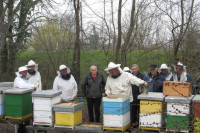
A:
180, 74
21, 80
66, 83
120, 82
33, 75
165, 72
93, 87
155, 81
135, 92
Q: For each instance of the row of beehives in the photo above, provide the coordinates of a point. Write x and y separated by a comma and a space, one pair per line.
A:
173, 113
46, 109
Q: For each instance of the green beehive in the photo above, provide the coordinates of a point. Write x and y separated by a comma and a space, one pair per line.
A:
177, 122
18, 103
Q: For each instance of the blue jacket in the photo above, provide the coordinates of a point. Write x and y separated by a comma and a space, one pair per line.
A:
156, 83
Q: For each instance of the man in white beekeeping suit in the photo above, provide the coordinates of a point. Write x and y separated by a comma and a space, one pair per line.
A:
120, 82
34, 75
66, 83
21, 80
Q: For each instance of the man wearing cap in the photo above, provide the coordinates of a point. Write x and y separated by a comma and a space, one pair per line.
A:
120, 82
93, 87
33, 75
155, 81
165, 72
180, 74
21, 80
66, 83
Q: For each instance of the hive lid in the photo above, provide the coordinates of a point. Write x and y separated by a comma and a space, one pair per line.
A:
6, 84
17, 91
196, 98
116, 98
46, 93
155, 96
178, 99
68, 107
4, 88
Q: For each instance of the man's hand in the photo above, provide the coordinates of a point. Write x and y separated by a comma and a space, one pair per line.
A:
35, 88
103, 94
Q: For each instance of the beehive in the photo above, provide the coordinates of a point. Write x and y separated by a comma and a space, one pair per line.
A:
68, 113
178, 113
116, 112
2, 101
42, 106
196, 110
173, 88
151, 111
89, 126
18, 103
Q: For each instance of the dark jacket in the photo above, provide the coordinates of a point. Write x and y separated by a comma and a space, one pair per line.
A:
93, 88
135, 89
156, 83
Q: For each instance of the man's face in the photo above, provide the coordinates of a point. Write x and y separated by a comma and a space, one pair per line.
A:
179, 69
135, 70
31, 68
23, 73
93, 70
63, 71
114, 71
154, 71
164, 71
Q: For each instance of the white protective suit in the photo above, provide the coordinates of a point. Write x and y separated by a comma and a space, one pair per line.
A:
68, 87
36, 80
22, 82
122, 85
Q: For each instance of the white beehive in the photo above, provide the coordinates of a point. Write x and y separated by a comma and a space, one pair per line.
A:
42, 106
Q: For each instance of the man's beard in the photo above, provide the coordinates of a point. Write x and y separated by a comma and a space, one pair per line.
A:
116, 76
66, 77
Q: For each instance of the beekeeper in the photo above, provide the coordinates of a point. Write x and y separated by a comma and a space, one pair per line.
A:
66, 83
34, 75
165, 72
120, 82
21, 80
180, 74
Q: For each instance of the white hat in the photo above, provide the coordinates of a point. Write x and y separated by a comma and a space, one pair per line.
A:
126, 69
112, 65
22, 68
32, 63
62, 67
179, 64
164, 66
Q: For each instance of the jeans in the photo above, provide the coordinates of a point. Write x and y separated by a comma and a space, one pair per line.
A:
94, 103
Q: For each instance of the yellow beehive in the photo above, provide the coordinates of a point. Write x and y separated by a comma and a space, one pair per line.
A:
68, 118
197, 124
172, 88
150, 107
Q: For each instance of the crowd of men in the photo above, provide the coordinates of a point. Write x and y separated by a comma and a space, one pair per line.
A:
94, 85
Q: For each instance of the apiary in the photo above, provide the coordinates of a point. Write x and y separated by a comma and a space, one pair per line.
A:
196, 110
116, 112
151, 111
42, 106
18, 103
178, 113
174, 88
68, 114
3, 86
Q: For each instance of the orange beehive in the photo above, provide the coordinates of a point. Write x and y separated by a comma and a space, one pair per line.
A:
173, 88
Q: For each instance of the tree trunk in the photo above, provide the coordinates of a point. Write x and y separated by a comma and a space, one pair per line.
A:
76, 50
119, 40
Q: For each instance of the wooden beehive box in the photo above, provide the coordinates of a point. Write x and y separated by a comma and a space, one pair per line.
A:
68, 113
196, 110
42, 106
172, 88
116, 104
18, 103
